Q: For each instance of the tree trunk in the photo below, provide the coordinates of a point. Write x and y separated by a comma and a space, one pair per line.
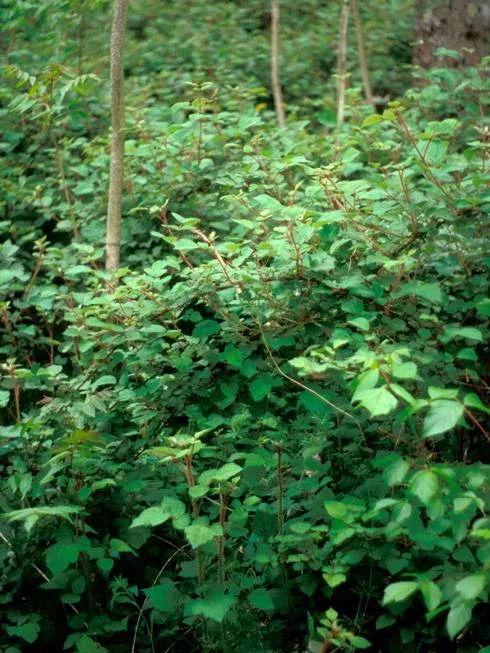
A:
342, 61
276, 83
361, 49
116, 175
461, 25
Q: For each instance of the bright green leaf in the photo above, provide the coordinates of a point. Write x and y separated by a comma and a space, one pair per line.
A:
424, 485
442, 416
399, 591
471, 586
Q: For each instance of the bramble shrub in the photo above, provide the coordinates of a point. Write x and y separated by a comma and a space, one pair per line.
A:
270, 434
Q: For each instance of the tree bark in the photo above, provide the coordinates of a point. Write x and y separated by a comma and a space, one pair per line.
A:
361, 49
276, 82
342, 61
461, 25
116, 175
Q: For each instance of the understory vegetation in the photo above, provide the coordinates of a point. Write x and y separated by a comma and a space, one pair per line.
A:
268, 431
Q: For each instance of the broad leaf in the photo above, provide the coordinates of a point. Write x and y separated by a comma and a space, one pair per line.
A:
443, 415
397, 592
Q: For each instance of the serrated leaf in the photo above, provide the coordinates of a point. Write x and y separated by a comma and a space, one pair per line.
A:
442, 416
397, 592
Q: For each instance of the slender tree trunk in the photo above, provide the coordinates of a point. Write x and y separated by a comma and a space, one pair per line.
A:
362, 54
342, 62
461, 25
276, 82
116, 176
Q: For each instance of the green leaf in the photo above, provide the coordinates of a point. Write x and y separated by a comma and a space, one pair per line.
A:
442, 416
470, 333
396, 472
378, 401
424, 485
473, 401
164, 597
359, 642
260, 599
4, 398
385, 621
226, 472
30, 516
200, 533
372, 120
206, 328
28, 632
435, 152
397, 592
214, 607
458, 617
105, 564
333, 580
170, 508
429, 291
360, 323
431, 593
60, 556
153, 516
471, 586
233, 356
261, 386
88, 645
406, 370
443, 393
119, 546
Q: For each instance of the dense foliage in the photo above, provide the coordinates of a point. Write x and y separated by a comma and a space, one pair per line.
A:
269, 433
